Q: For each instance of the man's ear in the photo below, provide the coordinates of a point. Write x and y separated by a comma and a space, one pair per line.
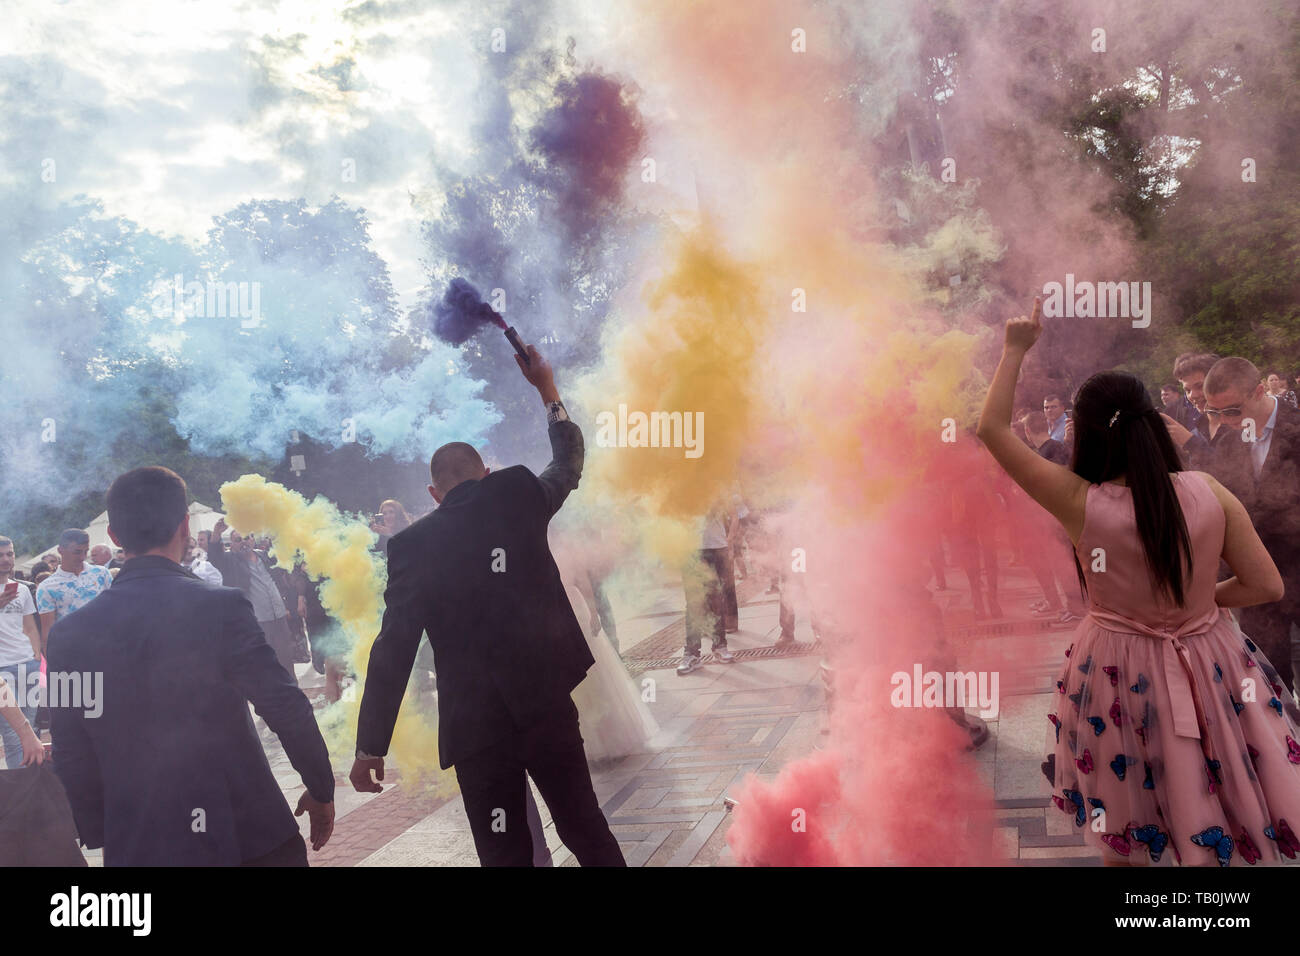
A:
112, 536
433, 493
486, 471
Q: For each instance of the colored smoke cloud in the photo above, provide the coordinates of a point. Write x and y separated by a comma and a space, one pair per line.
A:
336, 549
462, 312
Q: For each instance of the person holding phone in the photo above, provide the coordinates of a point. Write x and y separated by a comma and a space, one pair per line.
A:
20, 661
390, 519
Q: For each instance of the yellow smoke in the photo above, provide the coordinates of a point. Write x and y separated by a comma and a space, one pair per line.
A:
337, 549
693, 354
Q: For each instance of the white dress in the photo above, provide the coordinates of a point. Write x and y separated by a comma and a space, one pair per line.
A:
615, 721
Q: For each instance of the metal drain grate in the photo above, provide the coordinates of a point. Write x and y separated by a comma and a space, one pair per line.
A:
1009, 627
638, 665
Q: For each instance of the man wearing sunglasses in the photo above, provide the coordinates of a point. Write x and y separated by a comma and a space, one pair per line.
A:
1263, 469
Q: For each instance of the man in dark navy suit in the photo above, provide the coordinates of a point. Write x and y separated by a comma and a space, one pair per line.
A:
1258, 460
170, 771
478, 576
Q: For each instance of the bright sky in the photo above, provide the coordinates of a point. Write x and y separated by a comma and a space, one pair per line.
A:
172, 111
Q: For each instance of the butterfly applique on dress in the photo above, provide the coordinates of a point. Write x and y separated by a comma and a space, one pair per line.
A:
1246, 847
1213, 775
1213, 838
1075, 798
1117, 842
1084, 763
1116, 715
1152, 836
1286, 842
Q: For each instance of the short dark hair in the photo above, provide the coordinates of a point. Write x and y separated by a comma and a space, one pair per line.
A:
1035, 422
1053, 397
5, 542
1170, 387
73, 536
453, 463
145, 506
1232, 372
1191, 362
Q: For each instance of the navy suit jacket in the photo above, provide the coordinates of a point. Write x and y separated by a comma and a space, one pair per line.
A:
1272, 499
478, 576
172, 771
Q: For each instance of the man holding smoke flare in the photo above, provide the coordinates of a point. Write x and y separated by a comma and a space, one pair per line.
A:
477, 575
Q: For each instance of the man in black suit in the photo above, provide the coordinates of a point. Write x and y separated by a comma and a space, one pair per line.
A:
1195, 434
477, 575
1263, 470
170, 772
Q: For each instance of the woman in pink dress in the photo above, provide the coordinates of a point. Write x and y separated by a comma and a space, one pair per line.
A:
1174, 737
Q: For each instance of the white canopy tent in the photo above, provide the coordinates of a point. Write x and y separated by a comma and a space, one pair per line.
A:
202, 518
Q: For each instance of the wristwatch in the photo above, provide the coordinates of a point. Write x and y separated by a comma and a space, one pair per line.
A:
362, 755
555, 413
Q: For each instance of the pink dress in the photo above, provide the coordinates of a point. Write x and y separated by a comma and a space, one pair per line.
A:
1172, 738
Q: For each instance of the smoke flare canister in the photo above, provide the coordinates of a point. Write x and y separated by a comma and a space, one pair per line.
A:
513, 337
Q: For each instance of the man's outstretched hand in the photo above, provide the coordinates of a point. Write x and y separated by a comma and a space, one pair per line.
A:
360, 775
539, 374
321, 816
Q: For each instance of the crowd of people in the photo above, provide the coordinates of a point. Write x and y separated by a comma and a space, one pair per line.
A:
1199, 488
189, 629
1176, 719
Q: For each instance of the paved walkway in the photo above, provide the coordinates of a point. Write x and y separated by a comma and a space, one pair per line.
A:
666, 806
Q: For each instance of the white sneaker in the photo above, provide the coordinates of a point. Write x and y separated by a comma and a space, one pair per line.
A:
689, 663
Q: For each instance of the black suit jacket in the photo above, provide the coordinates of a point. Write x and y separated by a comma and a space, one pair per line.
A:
1054, 451
180, 660
1273, 500
477, 575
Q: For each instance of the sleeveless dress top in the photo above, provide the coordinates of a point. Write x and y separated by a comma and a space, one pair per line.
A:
1175, 738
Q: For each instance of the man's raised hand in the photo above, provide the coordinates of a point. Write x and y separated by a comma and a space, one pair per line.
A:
539, 374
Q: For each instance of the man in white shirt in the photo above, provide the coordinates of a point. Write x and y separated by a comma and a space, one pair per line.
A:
74, 585
1054, 410
196, 560
20, 652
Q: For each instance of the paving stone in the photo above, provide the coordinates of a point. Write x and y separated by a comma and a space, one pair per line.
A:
1006, 843
1061, 853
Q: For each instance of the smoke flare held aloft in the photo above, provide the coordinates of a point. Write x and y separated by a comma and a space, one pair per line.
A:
462, 313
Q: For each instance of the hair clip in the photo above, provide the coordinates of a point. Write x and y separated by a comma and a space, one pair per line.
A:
1113, 419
